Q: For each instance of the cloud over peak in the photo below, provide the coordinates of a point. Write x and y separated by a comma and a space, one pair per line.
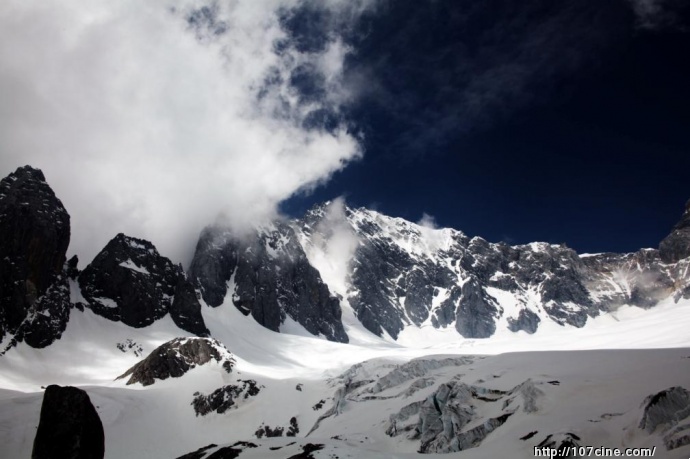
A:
151, 119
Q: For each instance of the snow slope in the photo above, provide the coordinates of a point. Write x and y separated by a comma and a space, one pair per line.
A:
603, 370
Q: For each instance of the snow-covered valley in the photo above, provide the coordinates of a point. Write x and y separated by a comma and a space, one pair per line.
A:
593, 382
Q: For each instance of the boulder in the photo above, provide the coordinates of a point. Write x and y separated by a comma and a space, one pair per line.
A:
69, 426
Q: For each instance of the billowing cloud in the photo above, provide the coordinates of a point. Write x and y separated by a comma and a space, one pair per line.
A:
428, 221
655, 14
433, 237
151, 118
333, 246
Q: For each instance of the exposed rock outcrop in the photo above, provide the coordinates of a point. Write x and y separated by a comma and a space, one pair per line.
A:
47, 319
224, 398
34, 236
212, 451
130, 281
526, 321
403, 274
176, 357
668, 411
476, 311
69, 426
266, 431
676, 246
271, 279
665, 408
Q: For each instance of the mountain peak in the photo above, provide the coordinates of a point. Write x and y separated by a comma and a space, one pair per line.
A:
29, 173
34, 236
129, 281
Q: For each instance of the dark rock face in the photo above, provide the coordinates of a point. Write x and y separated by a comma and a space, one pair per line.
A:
226, 452
376, 306
526, 321
269, 432
293, 430
131, 282
214, 262
177, 357
668, 411
34, 235
307, 451
199, 453
272, 279
676, 246
476, 311
185, 309
48, 318
402, 274
224, 398
69, 427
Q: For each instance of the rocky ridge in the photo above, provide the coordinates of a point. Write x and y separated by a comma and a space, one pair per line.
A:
400, 275
270, 279
130, 281
176, 357
403, 275
669, 412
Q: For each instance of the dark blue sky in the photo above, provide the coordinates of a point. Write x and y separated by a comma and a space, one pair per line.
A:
566, 122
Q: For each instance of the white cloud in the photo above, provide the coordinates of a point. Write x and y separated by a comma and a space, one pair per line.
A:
428, 221
654, 14
332, 247
147, 127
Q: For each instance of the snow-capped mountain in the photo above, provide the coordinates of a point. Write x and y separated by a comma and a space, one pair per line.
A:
345, 333
334, 268
397, 276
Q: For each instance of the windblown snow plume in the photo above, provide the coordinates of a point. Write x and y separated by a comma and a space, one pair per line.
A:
151, 118
333, 246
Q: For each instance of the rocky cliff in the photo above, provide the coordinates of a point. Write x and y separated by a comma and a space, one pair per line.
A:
402, 274
394, 275
34, 235
130, 281
269, 277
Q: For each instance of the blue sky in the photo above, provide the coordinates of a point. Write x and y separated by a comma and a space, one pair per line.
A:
512, 120
564, 122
